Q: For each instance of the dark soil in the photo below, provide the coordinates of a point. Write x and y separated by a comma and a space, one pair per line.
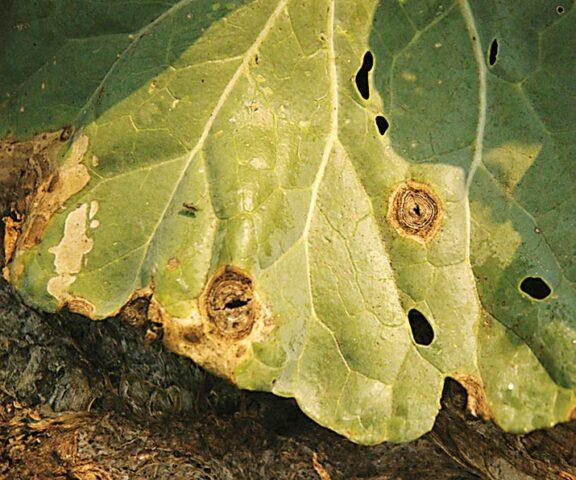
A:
88, 400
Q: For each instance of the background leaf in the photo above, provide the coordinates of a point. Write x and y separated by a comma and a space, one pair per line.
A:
251, 113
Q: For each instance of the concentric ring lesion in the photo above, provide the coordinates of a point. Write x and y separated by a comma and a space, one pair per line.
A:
415, 211
229, 303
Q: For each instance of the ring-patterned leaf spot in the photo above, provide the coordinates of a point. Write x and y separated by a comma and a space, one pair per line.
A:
536, 288
229, 303
493, 53
560, 9
381, 124
422, 331
415, 211
362, 76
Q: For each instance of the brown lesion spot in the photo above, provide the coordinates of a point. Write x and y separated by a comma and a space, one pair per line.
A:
229, 303
24, 167
194, 335
143, 311
172, 264
135, 312
80, 306
227, 318
476, 402
415, 211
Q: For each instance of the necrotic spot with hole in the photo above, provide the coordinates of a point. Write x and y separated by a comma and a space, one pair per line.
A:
415, 211
229, 303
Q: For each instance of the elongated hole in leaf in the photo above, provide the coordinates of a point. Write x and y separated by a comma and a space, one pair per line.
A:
493, 52
535, 287
381, 124
421, 329
362, 77
236, 303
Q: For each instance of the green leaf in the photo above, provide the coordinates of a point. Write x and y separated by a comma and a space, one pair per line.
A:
225, 159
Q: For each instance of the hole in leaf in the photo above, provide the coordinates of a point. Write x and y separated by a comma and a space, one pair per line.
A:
493, 52
421, 328
535, 287
236, 303
560, 10
381, 124
362, 83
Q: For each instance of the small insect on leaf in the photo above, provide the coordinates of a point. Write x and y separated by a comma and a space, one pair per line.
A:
189, 209
190, 206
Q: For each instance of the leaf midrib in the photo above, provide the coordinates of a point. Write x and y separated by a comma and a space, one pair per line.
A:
482, 101
208, 126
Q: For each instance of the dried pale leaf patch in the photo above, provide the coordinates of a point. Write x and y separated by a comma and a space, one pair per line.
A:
25, 168
50, 190
11, 233
59, 187
69, 253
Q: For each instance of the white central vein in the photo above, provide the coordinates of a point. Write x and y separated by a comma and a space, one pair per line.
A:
333, 133
330, 141
479, 56
250, 53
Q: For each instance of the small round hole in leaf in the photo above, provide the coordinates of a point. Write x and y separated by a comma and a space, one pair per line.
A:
422, 331
493, 52
535, 287
560, 10
362, 81
381, 124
